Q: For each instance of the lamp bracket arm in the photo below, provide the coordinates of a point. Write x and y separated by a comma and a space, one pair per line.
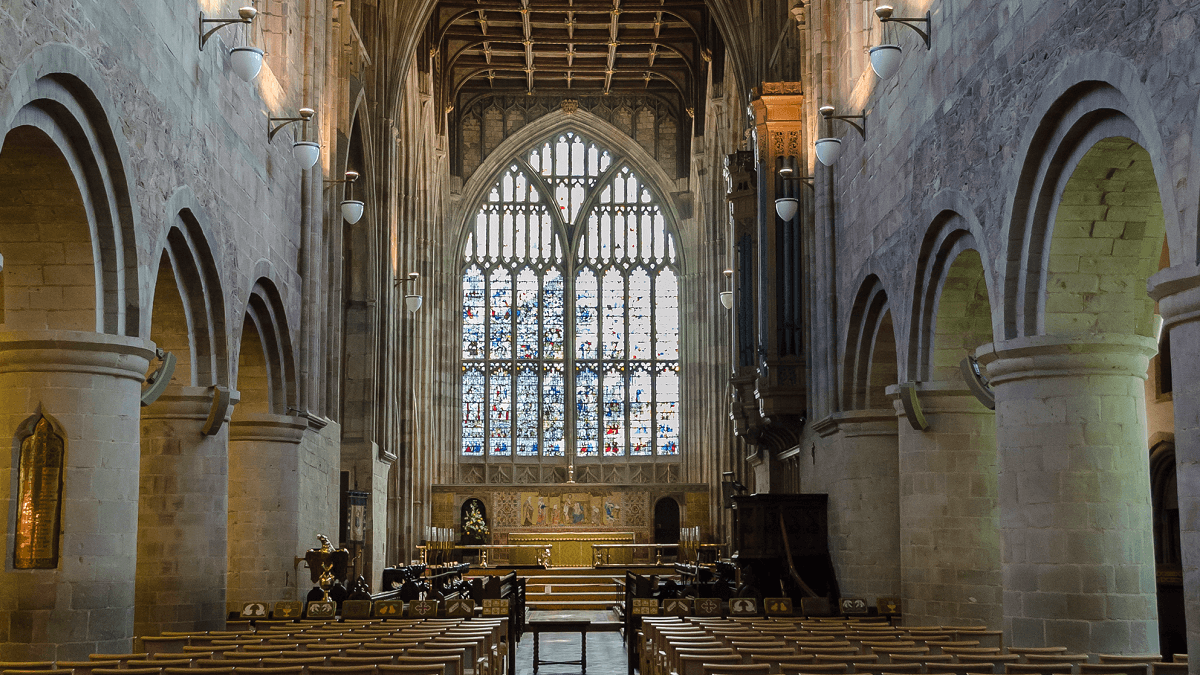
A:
221, 23
912, 21
284, 122
849, 119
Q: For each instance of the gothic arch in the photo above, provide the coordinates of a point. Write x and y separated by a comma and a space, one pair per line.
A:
57, 93
870, 358
1096, 96
624, 149
949, 237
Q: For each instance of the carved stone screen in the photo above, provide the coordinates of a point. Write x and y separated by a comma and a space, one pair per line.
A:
570, 327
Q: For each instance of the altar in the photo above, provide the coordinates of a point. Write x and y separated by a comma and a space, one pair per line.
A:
569, 549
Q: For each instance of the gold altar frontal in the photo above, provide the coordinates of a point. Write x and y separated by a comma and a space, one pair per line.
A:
569, 549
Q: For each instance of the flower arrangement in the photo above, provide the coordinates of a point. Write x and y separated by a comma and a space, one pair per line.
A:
474, 525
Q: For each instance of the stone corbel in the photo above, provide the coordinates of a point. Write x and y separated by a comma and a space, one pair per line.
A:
223, 400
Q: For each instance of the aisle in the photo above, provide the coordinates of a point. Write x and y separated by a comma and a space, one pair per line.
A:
605, 654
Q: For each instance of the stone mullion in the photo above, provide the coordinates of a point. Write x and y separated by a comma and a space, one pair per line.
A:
570, 441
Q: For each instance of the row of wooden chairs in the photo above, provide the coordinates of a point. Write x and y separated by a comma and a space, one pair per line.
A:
452, 647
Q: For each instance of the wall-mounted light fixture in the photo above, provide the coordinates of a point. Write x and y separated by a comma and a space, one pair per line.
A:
352, 209
885, 58
829, 148
245, 61
305, 152
786, 204
727, 296
412, 301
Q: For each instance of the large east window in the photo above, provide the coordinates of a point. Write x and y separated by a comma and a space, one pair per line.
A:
570, 320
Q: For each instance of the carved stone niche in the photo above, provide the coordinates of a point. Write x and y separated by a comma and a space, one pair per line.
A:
42, 458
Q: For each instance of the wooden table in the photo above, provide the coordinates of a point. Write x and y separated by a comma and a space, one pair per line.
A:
560, 625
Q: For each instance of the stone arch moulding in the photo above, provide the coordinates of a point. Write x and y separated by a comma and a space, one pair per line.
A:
1093, 96
867, 313
57, 91
950, 233
265, 312
188, 244
616, 141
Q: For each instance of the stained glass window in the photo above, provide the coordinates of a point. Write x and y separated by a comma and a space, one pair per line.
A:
577, 351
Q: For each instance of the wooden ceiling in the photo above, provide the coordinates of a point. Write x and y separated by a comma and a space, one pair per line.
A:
574, 48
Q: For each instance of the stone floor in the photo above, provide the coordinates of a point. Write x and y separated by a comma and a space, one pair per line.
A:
605, 654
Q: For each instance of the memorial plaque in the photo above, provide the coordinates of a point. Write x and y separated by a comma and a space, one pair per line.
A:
389, 609
254, 610
853, 606
708, 607
288, 610
460, 607
645, 606
743, 606
778, 606
356, 609
495, 607
677, 607
888, 605
321, 610
424, 609
39, 498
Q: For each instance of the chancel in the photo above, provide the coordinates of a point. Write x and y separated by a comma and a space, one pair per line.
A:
463, 337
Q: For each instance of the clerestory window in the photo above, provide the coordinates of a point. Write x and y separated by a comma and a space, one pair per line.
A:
570, 321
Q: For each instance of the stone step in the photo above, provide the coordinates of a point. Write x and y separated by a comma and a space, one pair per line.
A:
562, 604
570, 589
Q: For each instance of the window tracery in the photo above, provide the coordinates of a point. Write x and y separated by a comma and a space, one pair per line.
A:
569, 231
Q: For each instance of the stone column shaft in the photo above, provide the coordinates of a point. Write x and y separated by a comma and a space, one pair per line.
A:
264, 508
182, 518
949, 523
90, 384
1074, 489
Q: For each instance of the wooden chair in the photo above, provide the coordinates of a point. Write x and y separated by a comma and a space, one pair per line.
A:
890, 652
777, 653
126, 671
776, 663
360, 669
15, 671
971, 651
936, 645
956, 668
223, 663
198, 671
361, 660
895, 668
1037, 650
475, 658
1129, 668
737, 669
173, 656
827, 651
920, 658
1039, 668
853, 659
273, 670
1161, 668
161, 643
427, 669
791, 668
994, 661
1179, 658
159, 663
452, 665
1129, 658
371, 649
84, 667
693, 664
28, 665
271, 646
120, 658
674, 660
1056, 658
286, 661
251, 655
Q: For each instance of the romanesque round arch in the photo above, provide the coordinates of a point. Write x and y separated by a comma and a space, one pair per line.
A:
869, 359
1095, 96
58, 93
265, 313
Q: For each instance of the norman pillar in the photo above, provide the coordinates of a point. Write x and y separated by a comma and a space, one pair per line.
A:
182, 516
1178, 294
949, 523
264, 508
88, 388
1076, 533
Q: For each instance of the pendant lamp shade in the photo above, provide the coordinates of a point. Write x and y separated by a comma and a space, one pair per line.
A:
885, 60
246, 62
306, 152
786, 207
828, 150
352, 210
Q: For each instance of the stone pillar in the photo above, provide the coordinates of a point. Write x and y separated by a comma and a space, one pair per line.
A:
949, 523
182, 517
1178, 294
1074, 488
264, 509
90, 384
861, 476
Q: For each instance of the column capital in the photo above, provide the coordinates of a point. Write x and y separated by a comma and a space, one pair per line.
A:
1177, 291
1050, 356
75, 352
